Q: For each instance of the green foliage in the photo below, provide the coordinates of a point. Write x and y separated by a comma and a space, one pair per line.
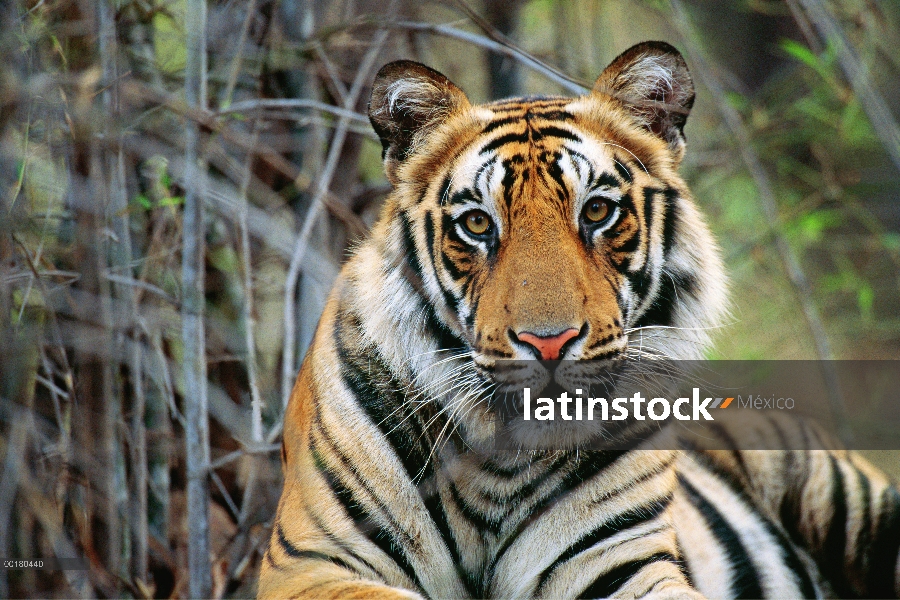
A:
169, 37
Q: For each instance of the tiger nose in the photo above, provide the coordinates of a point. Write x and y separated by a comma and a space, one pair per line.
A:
547, 346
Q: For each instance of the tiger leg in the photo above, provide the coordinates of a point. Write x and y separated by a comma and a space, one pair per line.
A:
316, 577
315, 550
834, 504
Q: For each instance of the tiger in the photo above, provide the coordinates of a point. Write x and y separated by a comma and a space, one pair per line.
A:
545, 228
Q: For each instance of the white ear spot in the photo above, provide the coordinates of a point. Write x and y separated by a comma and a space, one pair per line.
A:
416, 98
409, 100
653, 83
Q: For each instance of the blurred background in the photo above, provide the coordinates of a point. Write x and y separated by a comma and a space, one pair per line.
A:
180, 181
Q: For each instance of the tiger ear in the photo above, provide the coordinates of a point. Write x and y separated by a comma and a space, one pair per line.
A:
409, 100
653, 82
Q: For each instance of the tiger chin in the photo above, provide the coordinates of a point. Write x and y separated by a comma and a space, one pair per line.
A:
541, 228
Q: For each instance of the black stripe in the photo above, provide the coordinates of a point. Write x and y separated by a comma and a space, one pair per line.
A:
476, 181
461, 197
481, 521
834, 546
557, 132
436, 330
317, 521
588, 466
532, 104
294, 552
368, 526
555, 172
505, 472
579, 160
623, 170
732, 445
745, 582
509, 178
606, 179
500, 123
451, 267
433, 327
381, 397
410, 245
788, 552
670, 217
885, 546
649, 196
450, 300
445, 189
641, 283
671, 286
613, 525
607, 584
864, 537
626, 207
553, 115
628, 246
526, 490
509, 138
439, 515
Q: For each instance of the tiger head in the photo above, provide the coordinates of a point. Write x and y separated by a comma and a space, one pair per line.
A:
552, 227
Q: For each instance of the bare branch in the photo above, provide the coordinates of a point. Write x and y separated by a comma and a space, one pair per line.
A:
550, 73
289, 369
192, 265
274, 103
228, 93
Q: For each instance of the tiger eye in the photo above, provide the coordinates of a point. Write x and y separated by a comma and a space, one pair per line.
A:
596, 210
477, 222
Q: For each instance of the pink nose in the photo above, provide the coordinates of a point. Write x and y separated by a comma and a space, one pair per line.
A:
548, 347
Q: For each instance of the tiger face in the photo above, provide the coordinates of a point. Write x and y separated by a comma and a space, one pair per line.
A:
554, 228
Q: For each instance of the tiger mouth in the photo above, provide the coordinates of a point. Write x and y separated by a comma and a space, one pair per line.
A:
598, 374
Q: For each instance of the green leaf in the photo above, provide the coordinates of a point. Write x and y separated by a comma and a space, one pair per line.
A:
737, 101
172, 201
812, 226
891, 241
224, 258
865, 299
801, 53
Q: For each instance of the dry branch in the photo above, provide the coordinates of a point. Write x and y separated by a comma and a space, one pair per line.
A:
289, 368
193, 264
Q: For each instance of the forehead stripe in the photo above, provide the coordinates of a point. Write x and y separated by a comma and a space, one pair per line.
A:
623, 170
546, 115
579, 160
555, 115
481, 170
521, 137
531, 135
557, 132
442, 193
499, 123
